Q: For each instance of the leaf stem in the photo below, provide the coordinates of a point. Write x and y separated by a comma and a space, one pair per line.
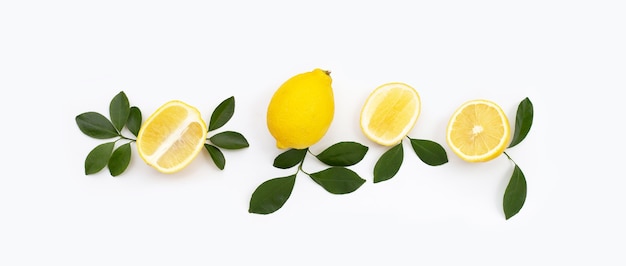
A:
507, 155
126, 138
302, 162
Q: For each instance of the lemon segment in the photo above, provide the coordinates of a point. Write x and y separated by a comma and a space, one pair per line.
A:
301, 110
389, 113
172, 137
478, 131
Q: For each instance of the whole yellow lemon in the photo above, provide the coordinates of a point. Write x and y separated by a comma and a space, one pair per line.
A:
301, 110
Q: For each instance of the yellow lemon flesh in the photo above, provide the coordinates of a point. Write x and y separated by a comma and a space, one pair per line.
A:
389, 113
301, 110
172, 137
478, 131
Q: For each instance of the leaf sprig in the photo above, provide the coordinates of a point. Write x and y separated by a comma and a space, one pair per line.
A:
98, 126
515, 193
388, 165
272, 194
230, 140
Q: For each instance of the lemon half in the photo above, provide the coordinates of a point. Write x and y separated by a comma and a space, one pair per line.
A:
389, 113
478, 131
172, 137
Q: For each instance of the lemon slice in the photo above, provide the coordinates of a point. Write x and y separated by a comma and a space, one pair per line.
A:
478, 131
172, 137
390, 112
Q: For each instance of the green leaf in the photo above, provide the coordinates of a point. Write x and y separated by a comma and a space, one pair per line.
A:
343, 154
222, 113
98, 158
134, 120
271, 195
96, 125
523, 121
229, 140
289, 158
430, 152
216, 155
338, 180
119, 108
515, 193
119, 160
388, 164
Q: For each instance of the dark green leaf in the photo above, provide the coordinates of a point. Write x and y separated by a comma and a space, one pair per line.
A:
523, 121
96, 125
119, 110
289, 158
343, 154
98, 158
229, 140
515, 194
216, 155
271, 195
430, 152
119, 160
338, 180
388, 164
134, 120
222, 113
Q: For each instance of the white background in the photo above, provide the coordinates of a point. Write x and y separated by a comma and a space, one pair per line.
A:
61, 58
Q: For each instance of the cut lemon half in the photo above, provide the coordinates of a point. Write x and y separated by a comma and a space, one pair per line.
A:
478, 131
390, 112
172, 137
